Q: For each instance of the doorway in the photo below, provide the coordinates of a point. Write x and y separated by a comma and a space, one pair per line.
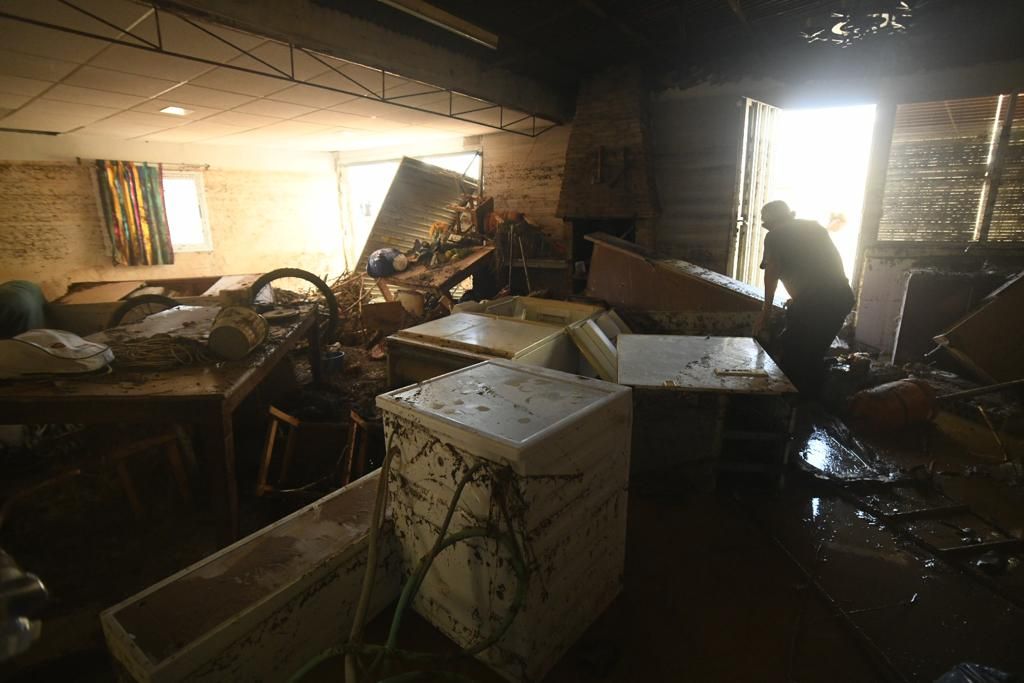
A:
816, 160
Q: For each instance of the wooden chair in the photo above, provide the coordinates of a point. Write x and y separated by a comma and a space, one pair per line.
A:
99, 454
322, 432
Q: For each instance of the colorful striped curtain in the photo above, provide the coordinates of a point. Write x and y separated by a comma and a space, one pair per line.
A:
132, 196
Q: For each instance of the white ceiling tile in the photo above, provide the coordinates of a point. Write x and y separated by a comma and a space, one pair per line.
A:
281, 110
13, 85
118, 81
373, 123
46, 42
31, 66
366, 107
144, 63
42, 114
310, 96
288, 129
205, 97
240, 82
43, 124
116, 130
240, 120
10, 102
195, 112
328, 117
100, 98
133, 124
192, 132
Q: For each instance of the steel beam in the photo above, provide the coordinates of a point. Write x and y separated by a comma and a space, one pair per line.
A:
129, 39
350, 38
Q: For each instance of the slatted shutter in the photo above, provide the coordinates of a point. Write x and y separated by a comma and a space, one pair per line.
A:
936, 173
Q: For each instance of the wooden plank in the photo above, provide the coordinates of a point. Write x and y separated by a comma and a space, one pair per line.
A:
231, 283
98, 294
626, 275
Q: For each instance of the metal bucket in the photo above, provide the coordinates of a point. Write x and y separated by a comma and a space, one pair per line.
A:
236, 331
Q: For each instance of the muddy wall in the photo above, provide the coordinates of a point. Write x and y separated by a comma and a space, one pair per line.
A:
261, 215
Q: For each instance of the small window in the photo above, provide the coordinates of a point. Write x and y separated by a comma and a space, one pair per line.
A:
186, 211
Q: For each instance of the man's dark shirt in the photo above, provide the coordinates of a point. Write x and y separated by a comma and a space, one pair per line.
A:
807, 259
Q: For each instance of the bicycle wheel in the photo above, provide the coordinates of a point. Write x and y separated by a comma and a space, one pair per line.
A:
292, 286
138, 308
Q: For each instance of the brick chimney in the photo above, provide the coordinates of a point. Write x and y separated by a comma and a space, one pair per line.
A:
608, 178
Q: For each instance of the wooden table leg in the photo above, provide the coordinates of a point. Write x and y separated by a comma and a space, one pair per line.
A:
315, 355
218, 446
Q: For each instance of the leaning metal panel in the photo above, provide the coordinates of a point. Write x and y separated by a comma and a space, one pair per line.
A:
349, 78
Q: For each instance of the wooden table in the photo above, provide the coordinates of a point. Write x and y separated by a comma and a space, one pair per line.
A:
716, 373
440, 279
204, 395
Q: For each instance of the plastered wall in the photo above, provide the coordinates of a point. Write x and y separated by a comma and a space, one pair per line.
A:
525, 174
260, 218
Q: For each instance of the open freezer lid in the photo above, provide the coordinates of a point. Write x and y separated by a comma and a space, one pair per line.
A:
479, 334
501, 401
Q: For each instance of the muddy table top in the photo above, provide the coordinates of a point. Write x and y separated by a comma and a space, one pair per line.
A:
731, 365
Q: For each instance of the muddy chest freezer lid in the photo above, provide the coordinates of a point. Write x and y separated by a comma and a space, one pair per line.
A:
497, 337
503, 403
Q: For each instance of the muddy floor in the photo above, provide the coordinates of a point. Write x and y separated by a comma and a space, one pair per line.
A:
745, 583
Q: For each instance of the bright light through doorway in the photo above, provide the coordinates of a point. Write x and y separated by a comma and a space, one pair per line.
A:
819, 167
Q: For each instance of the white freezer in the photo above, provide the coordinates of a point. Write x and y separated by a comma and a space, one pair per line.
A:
563, 442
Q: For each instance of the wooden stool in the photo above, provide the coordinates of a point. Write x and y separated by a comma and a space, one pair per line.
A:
295, 427
169, 441
359, 436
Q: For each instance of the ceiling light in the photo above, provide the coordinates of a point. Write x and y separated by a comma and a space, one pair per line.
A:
177, 111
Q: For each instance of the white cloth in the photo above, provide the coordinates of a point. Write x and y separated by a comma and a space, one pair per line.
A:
43, 351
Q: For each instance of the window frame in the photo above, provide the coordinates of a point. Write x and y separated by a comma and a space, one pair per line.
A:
198, 181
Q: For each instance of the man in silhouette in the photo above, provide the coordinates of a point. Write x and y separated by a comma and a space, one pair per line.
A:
801, 254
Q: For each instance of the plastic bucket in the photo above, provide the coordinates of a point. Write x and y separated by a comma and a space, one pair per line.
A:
411, 300
895, 405
334, 362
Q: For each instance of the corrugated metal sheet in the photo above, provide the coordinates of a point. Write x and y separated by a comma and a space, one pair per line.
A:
419, 195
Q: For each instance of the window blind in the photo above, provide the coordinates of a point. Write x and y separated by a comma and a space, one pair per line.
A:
1008, 214
936, 171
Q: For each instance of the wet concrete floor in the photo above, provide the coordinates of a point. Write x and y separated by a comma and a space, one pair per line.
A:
802, 584
723, 586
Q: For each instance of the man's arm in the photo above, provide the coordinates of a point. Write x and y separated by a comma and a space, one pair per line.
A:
771, 282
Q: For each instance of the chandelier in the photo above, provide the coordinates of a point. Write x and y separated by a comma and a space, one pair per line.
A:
852, 24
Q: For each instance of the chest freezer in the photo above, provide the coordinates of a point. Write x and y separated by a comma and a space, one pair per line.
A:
537, 309
554, 451
462, 339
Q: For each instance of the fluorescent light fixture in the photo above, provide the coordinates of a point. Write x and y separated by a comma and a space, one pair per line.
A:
449, 22
177, 111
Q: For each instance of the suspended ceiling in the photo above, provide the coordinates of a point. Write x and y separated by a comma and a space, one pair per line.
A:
54, 82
